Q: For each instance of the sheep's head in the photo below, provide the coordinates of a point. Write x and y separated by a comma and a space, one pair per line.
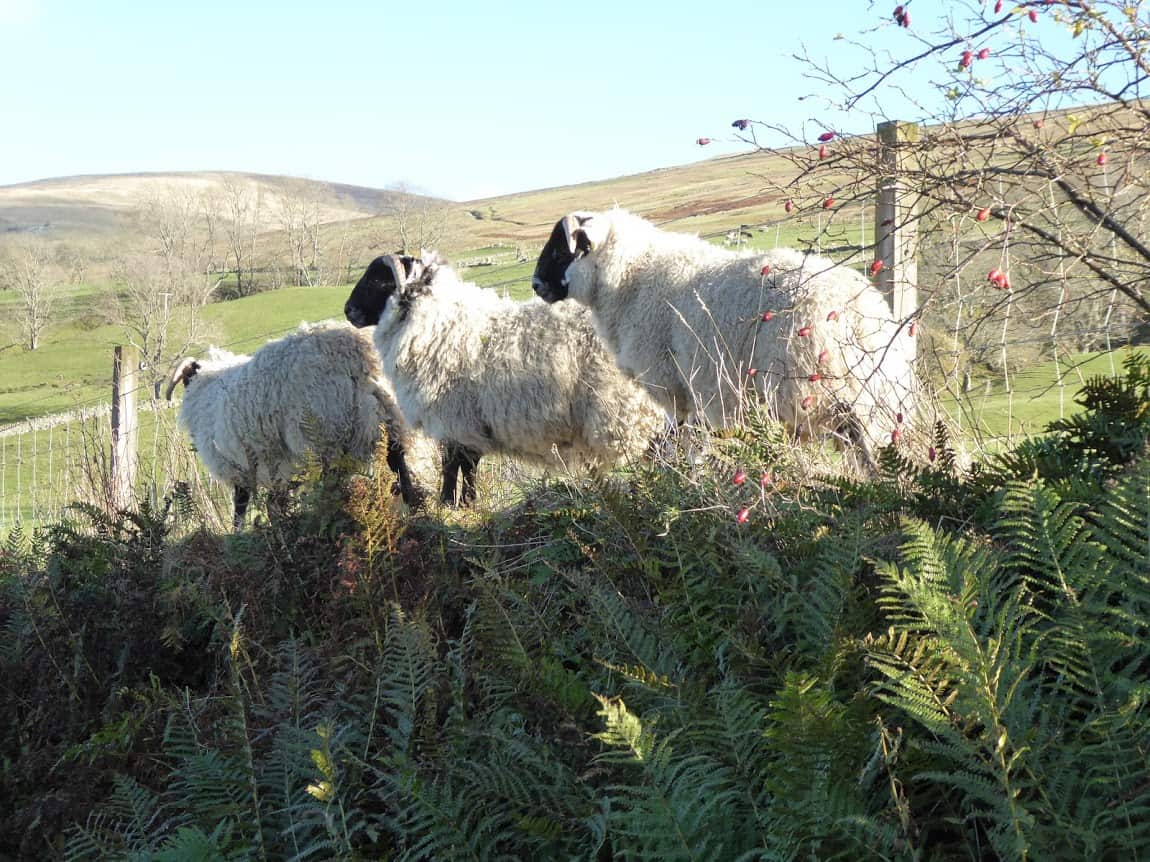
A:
384, 276
571, 238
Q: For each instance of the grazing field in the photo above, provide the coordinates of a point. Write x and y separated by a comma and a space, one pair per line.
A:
1037, 396
72, 368
495, 241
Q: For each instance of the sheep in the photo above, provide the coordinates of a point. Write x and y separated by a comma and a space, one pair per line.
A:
495, 375
253, 418
702, 327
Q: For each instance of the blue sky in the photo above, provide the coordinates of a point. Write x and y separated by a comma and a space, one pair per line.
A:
463, 100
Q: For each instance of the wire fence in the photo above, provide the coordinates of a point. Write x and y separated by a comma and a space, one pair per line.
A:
50, 463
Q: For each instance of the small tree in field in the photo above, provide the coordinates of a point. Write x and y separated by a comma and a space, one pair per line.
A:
158, 307
418, 222
161, 293
241, 202
1030, 170
27, 268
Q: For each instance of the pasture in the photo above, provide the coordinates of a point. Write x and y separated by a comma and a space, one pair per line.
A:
726, 200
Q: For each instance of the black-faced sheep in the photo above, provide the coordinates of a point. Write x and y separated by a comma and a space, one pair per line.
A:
252, 419
494, 375
702, 327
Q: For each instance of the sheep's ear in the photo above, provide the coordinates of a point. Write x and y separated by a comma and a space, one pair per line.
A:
572, 227
579, 229
399, 272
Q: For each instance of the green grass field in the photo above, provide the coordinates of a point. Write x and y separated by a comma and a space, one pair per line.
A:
73, 365
1036, 397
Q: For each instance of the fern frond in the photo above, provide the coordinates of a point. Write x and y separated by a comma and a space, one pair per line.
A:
685, 806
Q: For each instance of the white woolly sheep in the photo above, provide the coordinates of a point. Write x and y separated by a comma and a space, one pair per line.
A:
495, 375
252, 419
702, 327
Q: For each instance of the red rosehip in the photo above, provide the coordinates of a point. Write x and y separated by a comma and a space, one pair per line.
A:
876, 268
998, 7
1039, 123
984, 53
751, 372
767, 316
832, 315
913, 328
822, 151
826, 136
931, 454
905, 22
1032, 15
815, 378
807, 402
765, 479
744, 514
1101, 160
895, 436
789, 205
898, 418
967, 56
983, 214
824, 356
739, 478
994, 274
804, 332
702, 142
828, 203
766, 270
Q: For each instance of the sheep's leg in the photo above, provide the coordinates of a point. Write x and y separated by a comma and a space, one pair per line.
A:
469, 460
451, 467
397, 462
850, 426
459, 459
241, 497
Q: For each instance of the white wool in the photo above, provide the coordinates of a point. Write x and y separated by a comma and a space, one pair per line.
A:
253, 419
685, 318
517, 378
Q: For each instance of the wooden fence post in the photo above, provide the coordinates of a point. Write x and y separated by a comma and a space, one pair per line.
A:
896, 220
124, 426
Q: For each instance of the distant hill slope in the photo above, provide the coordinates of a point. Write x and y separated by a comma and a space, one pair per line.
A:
699, 196
707, 197
99, 203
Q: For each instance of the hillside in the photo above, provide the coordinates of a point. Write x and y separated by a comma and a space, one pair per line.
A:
702, 197
82, 205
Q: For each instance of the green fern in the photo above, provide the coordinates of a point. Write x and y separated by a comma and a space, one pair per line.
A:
683, 805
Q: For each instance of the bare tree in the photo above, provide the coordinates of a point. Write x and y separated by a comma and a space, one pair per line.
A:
299, 218
241, 204
161, 293
28, 269
182, 225
158, 307
418, 221
1031, 167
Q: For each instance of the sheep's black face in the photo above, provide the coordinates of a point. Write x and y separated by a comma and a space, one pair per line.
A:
550, 277
369, 296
